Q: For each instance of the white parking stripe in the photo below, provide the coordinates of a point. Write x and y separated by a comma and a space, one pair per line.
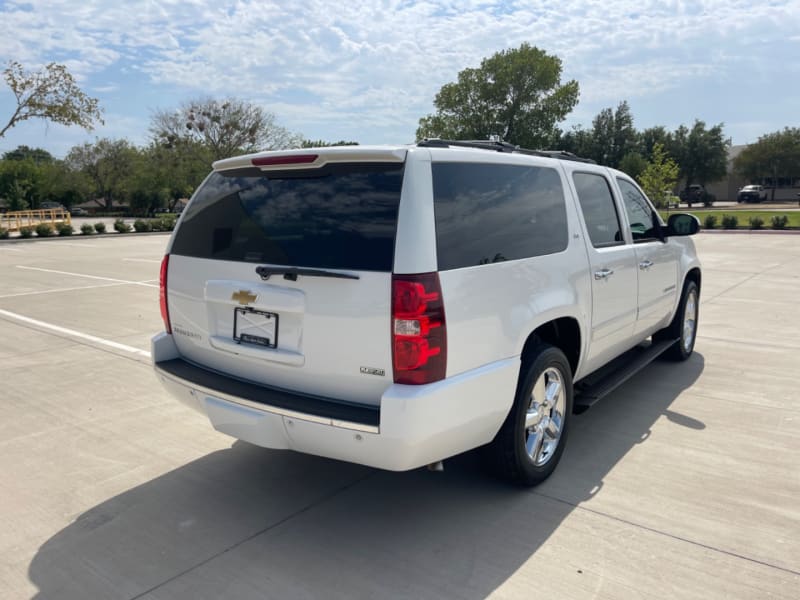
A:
10, 249
87, 276
69, 289
74, 245
147, 260
74, 334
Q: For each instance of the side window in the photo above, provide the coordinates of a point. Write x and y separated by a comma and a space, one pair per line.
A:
640, 213
489, 213
599, 210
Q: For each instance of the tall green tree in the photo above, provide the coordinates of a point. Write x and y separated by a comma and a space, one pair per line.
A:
773, 156
516, 94
613, 135
701, 153
50, 94
108, 165
224, 128
659, 176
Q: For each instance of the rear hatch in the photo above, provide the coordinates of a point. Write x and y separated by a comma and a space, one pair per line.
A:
280, 271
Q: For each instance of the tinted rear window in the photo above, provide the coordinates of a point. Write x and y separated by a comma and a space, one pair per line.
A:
489, 213
337, 217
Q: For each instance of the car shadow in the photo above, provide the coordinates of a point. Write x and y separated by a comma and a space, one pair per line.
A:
246, 522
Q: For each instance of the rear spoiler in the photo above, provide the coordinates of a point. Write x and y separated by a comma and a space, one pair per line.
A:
312, 158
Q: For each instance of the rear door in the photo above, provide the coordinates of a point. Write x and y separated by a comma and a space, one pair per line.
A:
281, 273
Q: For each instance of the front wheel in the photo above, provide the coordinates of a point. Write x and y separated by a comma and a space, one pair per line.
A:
530, 443
683, 326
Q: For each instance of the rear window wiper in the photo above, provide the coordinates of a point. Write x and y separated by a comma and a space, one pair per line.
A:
291, 273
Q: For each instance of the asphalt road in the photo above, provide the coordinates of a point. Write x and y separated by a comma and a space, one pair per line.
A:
682, 484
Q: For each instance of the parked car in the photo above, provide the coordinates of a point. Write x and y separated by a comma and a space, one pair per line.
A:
77, 211
395, 306
696, 194
752, 193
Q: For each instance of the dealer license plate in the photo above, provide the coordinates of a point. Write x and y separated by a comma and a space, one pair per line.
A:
257, 327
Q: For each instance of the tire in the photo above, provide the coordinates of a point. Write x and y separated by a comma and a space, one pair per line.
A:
683, 326
528, 455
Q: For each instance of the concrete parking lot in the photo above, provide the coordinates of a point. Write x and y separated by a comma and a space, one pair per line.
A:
682, 484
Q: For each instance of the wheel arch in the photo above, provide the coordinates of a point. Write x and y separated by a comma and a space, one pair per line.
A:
564, 333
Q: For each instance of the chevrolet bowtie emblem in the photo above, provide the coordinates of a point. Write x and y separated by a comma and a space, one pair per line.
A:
244, 297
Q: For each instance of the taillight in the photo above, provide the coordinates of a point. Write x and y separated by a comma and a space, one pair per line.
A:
162, 293
419, 336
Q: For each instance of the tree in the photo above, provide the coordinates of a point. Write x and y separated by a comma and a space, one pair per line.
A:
659, 176
108, 165
774, 155
49, 94
515, 94
225, 128
701, 154
37, 155
633, 164
613, 135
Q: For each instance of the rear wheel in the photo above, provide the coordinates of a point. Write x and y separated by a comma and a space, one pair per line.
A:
683, 326
530, 443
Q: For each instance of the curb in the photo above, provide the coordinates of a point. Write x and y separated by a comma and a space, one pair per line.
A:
55, 238
752, 231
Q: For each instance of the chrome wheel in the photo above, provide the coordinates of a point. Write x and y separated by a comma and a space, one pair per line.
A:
689, 321
544, 419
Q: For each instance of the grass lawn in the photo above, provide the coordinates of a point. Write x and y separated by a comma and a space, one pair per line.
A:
742, 215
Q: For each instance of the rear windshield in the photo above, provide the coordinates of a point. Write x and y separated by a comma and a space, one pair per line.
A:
337, 217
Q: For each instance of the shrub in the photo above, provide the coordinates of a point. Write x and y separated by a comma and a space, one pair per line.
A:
100, 227
165, 223
26, 232
121, 226
756, 222
44, 230
779, 221
708, 199
87, 229
140, 225
710, 222
729, 222
3, 233
64, 229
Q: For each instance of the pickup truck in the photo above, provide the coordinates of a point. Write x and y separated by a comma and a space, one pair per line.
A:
394, 306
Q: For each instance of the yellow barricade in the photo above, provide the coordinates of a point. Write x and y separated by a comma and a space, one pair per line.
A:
31, 218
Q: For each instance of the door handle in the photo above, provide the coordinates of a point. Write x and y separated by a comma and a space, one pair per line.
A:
645, 264
603, 274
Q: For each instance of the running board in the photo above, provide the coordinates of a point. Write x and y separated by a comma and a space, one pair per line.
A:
598, 385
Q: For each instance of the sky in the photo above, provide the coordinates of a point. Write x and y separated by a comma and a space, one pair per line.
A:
367, 71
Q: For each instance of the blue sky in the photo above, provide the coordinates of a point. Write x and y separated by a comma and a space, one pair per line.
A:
367, 71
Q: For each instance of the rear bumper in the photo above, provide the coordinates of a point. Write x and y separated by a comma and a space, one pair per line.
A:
412, 427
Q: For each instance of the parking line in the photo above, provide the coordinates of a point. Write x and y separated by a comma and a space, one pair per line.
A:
10, 249
69, 289
87, 276
147, 260
74, 334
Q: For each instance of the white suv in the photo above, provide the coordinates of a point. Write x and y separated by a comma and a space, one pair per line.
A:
395, 306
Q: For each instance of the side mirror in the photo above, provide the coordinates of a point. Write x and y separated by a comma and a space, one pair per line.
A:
682, 224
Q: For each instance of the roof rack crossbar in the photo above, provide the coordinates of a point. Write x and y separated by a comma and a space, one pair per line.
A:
498, 146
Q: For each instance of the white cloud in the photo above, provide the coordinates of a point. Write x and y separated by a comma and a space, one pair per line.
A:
376, 64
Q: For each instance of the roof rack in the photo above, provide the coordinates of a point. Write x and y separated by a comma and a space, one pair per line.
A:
499, 146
